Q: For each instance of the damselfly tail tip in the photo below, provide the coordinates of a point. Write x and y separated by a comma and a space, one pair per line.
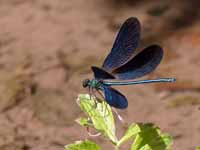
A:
172, 79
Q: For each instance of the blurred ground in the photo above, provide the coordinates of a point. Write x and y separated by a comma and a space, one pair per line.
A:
48, 46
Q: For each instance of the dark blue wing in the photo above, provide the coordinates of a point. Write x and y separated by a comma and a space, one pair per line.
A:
124, 46
142, 64
115, 98
101, 74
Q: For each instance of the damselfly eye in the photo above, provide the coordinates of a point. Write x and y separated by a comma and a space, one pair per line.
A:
85, 82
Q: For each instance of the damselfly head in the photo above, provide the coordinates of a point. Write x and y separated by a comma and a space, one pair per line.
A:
86, 83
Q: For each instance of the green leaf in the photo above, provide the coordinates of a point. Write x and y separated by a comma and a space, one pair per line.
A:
83, 145
151, 138
132, 131
84, 122
100, 114
198, 148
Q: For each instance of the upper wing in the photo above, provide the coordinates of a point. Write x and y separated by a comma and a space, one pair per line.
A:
142, 64
115, 98
124, 46
101, 74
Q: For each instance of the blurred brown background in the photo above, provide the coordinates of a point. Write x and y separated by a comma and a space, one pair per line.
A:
48, 46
